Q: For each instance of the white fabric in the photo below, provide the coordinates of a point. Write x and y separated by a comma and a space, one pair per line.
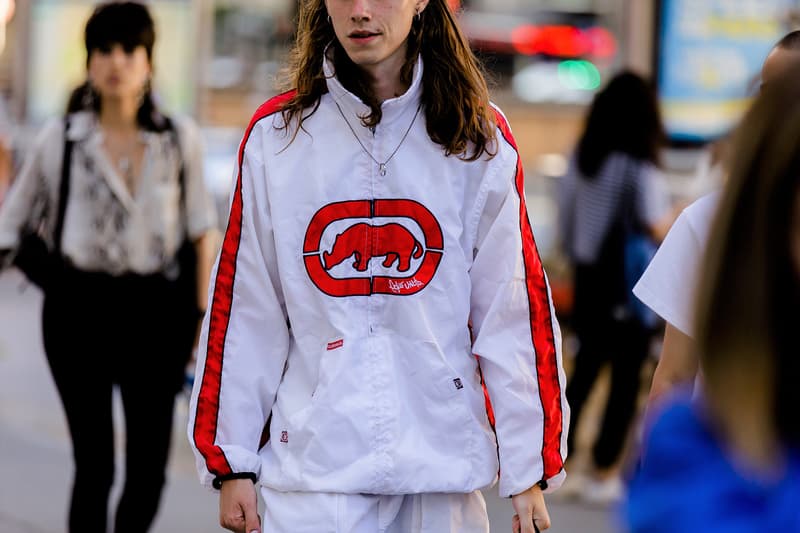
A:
320, 512
105, 227
376, 394
669, 283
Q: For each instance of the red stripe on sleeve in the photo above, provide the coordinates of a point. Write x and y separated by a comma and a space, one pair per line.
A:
205, 426
541, 325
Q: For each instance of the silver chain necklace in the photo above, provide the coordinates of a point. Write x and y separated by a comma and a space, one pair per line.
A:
125, 161
381, 166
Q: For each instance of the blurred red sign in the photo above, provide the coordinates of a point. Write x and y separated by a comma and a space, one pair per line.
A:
561, 40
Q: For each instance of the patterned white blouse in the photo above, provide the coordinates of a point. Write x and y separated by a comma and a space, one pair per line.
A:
106, 228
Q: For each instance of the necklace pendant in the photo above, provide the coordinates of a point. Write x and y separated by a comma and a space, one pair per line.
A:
382, 169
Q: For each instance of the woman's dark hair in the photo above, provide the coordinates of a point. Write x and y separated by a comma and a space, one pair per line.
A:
624, 117
130, 25
749, 297
455, 96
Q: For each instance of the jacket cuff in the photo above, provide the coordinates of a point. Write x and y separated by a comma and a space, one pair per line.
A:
217, 482
509, 487
552, 484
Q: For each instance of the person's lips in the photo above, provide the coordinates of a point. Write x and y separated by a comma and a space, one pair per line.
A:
363, 36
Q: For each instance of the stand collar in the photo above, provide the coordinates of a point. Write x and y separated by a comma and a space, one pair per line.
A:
393, 108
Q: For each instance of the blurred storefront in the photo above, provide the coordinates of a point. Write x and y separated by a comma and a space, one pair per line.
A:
219, 59
209, 53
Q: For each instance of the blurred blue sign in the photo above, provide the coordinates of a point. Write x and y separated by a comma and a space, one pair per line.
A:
709, 59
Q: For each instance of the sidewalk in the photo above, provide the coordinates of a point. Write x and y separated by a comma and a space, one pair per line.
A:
34, 445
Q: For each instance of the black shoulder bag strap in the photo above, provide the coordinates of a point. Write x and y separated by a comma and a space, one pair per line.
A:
631, 222
63, 190
186, 254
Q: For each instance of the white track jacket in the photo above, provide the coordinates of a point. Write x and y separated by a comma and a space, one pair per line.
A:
340, 311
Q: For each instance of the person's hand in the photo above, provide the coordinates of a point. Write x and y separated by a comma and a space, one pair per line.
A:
530, 509
238, 506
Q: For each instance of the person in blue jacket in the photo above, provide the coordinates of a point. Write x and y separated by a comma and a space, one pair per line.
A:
730, 460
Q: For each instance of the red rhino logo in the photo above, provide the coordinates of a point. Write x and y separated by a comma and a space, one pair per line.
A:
365, 242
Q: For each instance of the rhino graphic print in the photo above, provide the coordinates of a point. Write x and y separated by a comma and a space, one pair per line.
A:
403, 232
364, 242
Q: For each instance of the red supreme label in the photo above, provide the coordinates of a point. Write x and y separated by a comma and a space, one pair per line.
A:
335, 344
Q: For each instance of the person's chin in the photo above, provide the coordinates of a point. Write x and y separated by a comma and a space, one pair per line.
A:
113, 94
366, 60
356, 56
362, 56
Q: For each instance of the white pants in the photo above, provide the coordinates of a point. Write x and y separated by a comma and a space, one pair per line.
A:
321, 512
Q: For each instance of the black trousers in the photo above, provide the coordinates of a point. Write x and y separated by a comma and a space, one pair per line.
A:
605, 337
99, 332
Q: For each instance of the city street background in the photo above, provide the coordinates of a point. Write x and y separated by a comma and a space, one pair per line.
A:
217, 60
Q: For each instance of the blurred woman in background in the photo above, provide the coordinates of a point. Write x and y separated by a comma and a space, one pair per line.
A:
612, 192
134, 238
730, 462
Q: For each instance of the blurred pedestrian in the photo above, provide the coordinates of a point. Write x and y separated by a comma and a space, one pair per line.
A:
133, 237
379, 212
612, 199
668, 284
734, 453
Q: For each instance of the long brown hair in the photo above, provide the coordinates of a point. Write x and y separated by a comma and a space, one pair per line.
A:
455, 96
749, 296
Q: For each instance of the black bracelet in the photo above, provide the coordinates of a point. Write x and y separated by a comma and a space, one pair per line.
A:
542, 484
217, 483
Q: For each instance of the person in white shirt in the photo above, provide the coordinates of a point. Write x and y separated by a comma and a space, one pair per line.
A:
729, 459
378, 269
668, 285
121, 309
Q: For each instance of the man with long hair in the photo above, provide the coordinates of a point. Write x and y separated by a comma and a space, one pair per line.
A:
377, 288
